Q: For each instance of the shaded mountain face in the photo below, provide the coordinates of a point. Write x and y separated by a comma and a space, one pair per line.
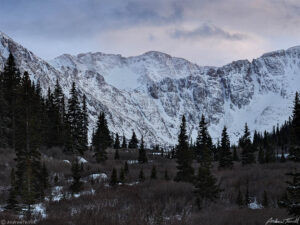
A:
149, 93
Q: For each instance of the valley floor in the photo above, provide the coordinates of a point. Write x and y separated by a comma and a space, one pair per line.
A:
154, 201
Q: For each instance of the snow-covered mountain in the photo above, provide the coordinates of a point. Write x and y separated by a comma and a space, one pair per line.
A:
149, 93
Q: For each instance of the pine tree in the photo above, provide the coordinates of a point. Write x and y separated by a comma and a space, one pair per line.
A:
167, 178
247, 148
295, 134
239, 199
261, 155
142, 153
77, 184
101, 139
124, 144
184, 156
83, 127
114, 178
133, 143
117, 156
225, 159
12, 203
265, 202
44, 179
205, 185
203, 146
117, 142
247, 195
10, 78
126, 168
122, 176
292, 199
235, 156
153, 173
73, 120
141, 176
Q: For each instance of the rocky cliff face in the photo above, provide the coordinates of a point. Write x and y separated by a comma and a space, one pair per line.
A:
149, 93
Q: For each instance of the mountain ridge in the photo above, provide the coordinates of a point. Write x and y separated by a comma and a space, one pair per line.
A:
149, 92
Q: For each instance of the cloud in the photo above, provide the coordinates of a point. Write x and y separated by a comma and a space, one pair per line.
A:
207, 31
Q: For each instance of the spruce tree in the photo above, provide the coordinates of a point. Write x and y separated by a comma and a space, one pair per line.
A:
117, 142
142, 153
114, 178
295, 134
133, 143
239, 199
10, 78
203, 145
122, 175
44, 180
101, 139
73, 123
77, 184
225, 159
235, 156
153, 173
292, 199
141, 176
167, 178
205, 186
261, 156
12, 203
265, 201
247, 195
83, 127
117, 156
124, 144
247, 148
185, 171
282, 157
126, 168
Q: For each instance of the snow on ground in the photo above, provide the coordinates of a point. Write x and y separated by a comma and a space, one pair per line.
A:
67, 161
39, 209
254, 205
98, 176
81, 160
132, 161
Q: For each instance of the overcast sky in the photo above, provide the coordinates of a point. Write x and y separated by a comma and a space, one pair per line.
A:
207, 32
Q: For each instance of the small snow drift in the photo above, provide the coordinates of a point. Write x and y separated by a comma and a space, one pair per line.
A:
81, 160
98, 176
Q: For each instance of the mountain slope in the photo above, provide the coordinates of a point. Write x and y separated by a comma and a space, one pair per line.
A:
150, 92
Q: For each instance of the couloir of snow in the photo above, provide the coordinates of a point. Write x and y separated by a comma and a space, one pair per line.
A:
149, 93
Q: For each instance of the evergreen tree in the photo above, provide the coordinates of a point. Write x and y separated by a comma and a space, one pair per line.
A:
239, 199
205, 185
114, 178
141, 176
73, 123
133, 143
295, 134
225, 159
247, 148
261, 155
77, 184
12, 203
292, 200
203, 146
265, 202
235, 156
126, 168
282, 158
117, 142
153, 173
122, 176
44, 180
10, 79
184, 156
83, 127
124, 144
117, 156
247, 195
101, 139
167, 178
142, 153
